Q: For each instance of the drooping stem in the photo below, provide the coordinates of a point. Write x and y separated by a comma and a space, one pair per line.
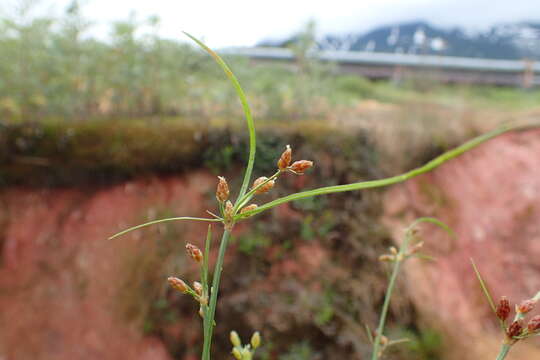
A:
209, 322
505, 348
386, 304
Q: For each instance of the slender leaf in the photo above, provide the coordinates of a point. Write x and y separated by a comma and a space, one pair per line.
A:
161, 221
391, 180
484, 287
432, 221
245, 106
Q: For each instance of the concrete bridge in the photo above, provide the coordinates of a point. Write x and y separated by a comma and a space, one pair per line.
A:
448, 69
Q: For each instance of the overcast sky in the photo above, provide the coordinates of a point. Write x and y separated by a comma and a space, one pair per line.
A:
239, 22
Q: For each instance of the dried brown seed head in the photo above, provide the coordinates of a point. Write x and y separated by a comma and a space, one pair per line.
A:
525, 306
534, 324
194, 252
416, 248
300, 166
503, 308
222, 192
248, 208
263, 188
197, 286
229, 209
285, 159
178, 284
514, 329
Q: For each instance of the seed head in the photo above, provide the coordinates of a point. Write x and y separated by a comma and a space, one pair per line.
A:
248, 208
235, 338
503, 308
194, 252
534, 324
197, 286
229, 208
514, 329
255, 340
415, 248
285, 159
178, 284
264, 188
525, 306
299, 167
387, 258
222, 192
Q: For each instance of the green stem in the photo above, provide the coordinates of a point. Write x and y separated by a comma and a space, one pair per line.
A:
208, 324
384, 311
505, 348
204, 279
391, 180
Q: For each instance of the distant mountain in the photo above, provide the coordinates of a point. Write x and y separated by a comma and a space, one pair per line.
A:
505, 41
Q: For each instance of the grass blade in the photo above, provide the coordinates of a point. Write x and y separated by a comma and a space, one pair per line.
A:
439, 160
245, 106
432, 221
484, 287
160, 221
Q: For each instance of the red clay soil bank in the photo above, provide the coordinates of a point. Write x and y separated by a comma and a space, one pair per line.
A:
62, 282
491, 199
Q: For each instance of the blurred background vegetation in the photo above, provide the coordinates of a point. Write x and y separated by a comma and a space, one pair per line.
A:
51, 67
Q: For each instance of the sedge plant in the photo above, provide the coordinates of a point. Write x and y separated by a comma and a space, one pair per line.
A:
409, 248
516, 329
231, 211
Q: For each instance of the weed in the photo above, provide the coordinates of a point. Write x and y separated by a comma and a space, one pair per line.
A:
231, 211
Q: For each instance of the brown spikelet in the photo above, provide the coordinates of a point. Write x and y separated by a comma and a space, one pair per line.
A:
178, 284
503, 309
299, 167
285, 159
248, 208
264, 188
229, 209
514, 329
525, 306
534, 324
197, 286
387, 258
194, 252
222, 192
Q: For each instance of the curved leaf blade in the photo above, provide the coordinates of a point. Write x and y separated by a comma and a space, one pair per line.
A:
245, 107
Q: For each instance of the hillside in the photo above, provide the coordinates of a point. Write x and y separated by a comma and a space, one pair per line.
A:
503, 41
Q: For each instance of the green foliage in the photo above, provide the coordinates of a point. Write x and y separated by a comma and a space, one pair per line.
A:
424, 345
300, 351
253, 241
52, 67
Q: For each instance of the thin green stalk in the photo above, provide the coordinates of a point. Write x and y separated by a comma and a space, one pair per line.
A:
505, 348
161, 221
204, 279
386, 304
439, 160
245, 107
208, 324
399, 258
